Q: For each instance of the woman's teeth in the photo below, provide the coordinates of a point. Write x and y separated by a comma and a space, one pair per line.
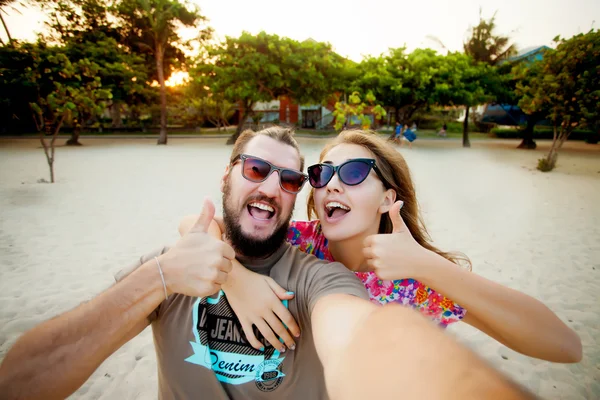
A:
332, 206
335, 204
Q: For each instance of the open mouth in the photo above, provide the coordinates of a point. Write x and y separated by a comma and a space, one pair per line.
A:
261, 211
335, 209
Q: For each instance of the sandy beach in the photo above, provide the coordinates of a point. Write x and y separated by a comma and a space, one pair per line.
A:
116, 199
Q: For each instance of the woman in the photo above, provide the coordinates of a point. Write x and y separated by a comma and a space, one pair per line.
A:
369, 220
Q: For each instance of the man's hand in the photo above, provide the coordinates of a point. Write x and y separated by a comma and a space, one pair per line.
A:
199, 263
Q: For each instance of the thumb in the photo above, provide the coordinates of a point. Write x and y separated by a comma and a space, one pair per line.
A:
279, 291
206, 216
398, 224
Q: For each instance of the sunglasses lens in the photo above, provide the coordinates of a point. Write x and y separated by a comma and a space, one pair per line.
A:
354, 172
255, 170
291, 181
319, 175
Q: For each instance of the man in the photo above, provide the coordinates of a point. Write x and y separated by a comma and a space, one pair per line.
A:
201, 351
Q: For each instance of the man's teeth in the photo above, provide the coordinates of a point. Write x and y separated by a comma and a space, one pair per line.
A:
262, 206
335, 204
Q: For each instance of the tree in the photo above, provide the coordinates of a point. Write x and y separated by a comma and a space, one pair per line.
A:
567, 90
262, 67
151, 25
406, 82
63, 89
355, 107
511, 74
84, 29
484, 46
462, 82
217, 111
121, 72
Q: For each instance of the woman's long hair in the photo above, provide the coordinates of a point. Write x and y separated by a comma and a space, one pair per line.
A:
394, 169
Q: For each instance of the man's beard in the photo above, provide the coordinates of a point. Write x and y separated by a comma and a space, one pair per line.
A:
248, 246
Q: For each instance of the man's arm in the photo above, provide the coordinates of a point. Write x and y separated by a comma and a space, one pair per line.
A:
55, 358
369, 351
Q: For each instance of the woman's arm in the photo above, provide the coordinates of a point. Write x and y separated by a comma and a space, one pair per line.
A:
513, 318
255, 299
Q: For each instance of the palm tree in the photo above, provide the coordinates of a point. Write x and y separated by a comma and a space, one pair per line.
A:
154, 24
485, 46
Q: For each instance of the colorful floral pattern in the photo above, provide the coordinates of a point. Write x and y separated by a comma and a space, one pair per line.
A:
308, 237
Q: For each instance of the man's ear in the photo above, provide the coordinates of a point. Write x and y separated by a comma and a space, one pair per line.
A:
224, 178
389, 198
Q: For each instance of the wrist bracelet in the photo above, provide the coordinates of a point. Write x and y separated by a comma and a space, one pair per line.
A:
162, 277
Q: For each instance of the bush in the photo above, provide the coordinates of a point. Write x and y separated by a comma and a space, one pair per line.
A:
436, 125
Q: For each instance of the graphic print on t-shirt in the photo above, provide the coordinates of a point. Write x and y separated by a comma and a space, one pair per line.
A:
220, 345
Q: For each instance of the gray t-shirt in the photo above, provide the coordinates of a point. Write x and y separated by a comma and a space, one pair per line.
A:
202, 351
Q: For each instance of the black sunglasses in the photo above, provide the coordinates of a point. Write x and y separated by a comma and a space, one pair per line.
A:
258, 170
352, 172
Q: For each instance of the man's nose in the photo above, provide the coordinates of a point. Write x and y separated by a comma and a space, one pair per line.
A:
270, 186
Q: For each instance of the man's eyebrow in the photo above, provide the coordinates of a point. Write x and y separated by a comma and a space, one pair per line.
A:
328, 162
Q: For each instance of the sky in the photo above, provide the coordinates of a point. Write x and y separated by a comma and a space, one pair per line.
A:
358, 28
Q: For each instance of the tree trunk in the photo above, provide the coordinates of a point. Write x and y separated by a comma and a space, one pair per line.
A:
528, 142
466, 142
74, 139
115, 115
247, 113
6, 29
549, 163
237, 133
162, 138
49, 149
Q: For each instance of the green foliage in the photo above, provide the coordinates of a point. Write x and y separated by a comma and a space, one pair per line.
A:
263, 67
404, 81
463, 82
566, 89
565, 85
62, 88
419, 80
359, 109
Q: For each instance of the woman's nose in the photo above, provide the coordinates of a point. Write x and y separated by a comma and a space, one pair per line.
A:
334, 185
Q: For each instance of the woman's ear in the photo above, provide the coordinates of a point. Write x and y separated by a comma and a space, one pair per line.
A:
389, 198
224, 178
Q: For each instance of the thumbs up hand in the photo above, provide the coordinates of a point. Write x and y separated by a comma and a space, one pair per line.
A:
199, 263
395, 255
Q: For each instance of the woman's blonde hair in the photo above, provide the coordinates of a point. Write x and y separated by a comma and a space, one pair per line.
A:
396, 173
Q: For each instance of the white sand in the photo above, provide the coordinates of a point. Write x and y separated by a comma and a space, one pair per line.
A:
116, 199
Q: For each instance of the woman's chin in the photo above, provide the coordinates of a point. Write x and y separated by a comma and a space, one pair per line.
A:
336, 233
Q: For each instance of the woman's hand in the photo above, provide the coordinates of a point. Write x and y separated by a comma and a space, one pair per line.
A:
396, 255
256, 300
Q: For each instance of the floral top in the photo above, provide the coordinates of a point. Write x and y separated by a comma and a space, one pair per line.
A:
309, 238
